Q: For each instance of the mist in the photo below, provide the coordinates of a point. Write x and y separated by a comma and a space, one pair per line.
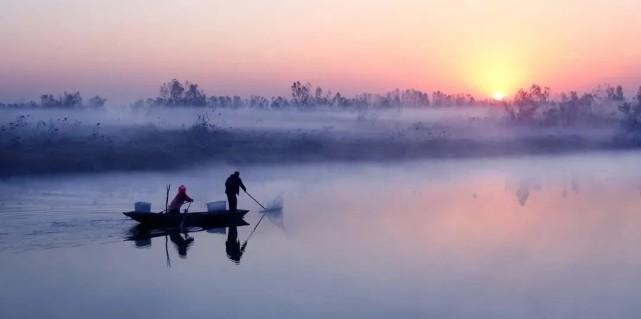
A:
41, 141
184, 127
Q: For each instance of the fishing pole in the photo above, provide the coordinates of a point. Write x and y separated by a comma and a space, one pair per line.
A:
252, 232
167, 198
182, 220
252, 197
167, 252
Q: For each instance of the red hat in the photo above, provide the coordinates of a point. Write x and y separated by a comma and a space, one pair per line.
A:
182, 189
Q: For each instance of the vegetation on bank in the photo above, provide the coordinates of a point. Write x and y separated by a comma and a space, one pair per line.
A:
34, 143
65, 100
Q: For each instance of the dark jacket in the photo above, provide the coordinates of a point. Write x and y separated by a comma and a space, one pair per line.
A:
233, 184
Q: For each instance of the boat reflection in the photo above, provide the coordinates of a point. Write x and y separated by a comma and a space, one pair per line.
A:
142, 235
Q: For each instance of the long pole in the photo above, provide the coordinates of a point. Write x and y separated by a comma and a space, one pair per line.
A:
167, 252
167, 198
252, 197
182, 220
252, 233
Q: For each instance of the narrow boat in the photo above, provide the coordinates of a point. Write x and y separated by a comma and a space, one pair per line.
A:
223, 218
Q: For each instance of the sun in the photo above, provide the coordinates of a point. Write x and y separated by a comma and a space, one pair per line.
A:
498, 96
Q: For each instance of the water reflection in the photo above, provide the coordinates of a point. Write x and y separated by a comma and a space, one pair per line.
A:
524, 189
182, 242
142, 236
232, 245
424, 243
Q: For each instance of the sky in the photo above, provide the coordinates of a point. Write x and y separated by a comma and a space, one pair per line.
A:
124, 50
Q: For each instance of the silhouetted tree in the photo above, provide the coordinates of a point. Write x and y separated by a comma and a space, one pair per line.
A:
67, 100
526, 103
171, 93
279, 102
632, 112
97, 101
71, 99
194, 96
340, 101
414, 97
301, 94
48, 100
571, 109
257, 101
615, 94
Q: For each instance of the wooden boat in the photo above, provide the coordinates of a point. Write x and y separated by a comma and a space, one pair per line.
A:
205, 219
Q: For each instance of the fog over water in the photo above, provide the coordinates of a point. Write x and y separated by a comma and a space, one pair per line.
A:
524, 237
124, 139
399, 159
443, 212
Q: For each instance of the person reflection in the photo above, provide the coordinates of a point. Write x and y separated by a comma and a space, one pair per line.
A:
182, 243
232, 245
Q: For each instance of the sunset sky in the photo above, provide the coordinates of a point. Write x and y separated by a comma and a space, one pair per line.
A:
124, 50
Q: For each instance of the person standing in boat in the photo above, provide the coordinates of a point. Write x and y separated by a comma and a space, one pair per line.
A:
179, 200
233, 184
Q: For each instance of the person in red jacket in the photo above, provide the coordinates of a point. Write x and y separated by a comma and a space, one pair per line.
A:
179, 200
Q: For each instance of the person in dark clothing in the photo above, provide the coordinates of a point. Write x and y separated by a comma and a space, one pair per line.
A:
179, 200
233, 184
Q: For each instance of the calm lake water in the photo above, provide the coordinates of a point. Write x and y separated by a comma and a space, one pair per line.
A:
526, 237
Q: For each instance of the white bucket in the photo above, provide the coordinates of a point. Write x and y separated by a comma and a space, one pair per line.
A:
142, 207
217, 207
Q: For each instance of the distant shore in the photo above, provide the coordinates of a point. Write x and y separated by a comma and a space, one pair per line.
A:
139, 149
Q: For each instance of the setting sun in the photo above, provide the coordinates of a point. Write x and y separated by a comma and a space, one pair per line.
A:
476, 145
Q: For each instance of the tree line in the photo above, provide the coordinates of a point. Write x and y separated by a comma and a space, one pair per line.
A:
534, 105
303, 95
65, 100
529, 105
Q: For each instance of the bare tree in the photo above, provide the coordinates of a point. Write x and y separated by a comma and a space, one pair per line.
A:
526, 103
632, 112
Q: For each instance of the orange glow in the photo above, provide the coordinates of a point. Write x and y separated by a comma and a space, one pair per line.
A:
479, 47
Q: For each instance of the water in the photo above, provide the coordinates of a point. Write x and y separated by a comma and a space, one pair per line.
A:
521, 237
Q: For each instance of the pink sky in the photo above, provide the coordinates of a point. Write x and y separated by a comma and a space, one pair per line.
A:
125, 49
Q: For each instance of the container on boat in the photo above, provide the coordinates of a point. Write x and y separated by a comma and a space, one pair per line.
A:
217, 207
142, 207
